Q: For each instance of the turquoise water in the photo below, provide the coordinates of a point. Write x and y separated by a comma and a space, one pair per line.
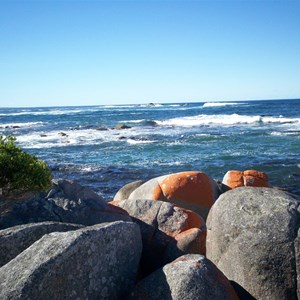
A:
83, 143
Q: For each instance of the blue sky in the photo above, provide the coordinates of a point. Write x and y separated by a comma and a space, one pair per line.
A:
114, 52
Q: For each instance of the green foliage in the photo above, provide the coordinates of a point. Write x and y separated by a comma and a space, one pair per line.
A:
20, 170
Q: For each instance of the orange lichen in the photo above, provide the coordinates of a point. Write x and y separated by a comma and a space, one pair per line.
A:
191, 187
157, 193
255, 178
234, 179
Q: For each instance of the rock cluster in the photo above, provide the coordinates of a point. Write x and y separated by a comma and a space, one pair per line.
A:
195, 191
177, 236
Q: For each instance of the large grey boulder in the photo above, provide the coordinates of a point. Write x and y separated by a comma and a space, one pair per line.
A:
190, 277
167, 231
252, 239
127, 189
16, 239
97, 262
67, 202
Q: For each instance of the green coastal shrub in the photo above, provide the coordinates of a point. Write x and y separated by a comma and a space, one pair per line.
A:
20, 171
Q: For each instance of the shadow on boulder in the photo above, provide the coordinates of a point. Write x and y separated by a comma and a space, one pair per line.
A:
241, 292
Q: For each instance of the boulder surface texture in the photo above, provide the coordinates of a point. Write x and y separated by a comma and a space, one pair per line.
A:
192, 190
167, 231
16, 239
190, 277
97, 262
252, 238
67, 202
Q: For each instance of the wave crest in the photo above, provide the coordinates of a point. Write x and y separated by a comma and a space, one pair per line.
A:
232, 119
214, 104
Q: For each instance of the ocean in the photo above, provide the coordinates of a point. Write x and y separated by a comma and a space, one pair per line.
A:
105, 147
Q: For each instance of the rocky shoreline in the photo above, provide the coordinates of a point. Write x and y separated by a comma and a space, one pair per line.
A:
177, 236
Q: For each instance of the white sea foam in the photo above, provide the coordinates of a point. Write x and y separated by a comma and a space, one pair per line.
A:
134, 142
133, 121
56, 111
64, 138
232, 119
285, 133
151, 105
214, 104
22, 125
119, 106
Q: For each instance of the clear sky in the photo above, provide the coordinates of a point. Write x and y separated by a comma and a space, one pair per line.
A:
115, 52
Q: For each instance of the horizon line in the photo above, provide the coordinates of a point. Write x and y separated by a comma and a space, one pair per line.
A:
153, 102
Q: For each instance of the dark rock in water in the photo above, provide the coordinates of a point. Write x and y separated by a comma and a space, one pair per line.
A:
101, 128
191, 277
12, 126
67, 202
167, 231
98, 262
16, 239
122, 137
127, 189
137, 138
150, 123
122, 126
43, 135
63, 134
253, 239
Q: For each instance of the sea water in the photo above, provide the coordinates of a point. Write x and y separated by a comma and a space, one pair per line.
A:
84, 143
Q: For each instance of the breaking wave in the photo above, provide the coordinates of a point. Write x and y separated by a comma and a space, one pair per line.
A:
232, 119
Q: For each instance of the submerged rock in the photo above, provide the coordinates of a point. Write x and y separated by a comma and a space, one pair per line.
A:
98, 262
122, 126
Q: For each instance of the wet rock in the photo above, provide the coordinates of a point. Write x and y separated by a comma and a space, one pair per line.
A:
63, 134
101, 128
122, 126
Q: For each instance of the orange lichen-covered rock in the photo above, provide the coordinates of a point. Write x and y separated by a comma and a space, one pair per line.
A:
234, 179
168, 231
191, 187
256, 178
192, 190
